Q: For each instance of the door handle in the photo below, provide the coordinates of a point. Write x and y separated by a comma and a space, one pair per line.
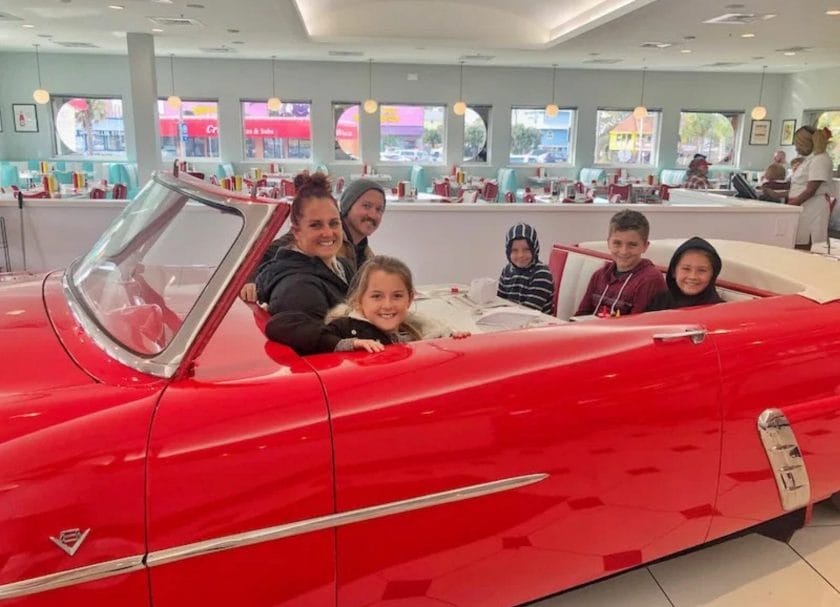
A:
695, 335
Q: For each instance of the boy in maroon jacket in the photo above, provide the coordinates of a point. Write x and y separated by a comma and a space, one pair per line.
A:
628, 283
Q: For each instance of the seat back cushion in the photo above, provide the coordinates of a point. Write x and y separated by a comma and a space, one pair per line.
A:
571, 272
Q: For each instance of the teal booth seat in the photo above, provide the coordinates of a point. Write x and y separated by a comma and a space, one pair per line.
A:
672, 176
506, 178
87, 167
225, 169
60, 165
588, 175
9, 176
125, 174
419, 179
65, 177
33, 165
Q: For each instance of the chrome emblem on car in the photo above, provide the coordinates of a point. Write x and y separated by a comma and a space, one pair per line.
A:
70, 540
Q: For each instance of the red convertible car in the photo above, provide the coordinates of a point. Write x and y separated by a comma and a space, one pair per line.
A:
157, 450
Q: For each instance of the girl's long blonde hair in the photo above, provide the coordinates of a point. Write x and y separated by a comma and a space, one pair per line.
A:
389, 265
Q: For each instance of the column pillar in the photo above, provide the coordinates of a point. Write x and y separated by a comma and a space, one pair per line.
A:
144, 114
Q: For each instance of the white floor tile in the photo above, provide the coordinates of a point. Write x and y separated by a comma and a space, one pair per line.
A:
751, 570
633, 589
820, 546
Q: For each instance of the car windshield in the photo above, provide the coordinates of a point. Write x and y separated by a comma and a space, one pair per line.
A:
144, 275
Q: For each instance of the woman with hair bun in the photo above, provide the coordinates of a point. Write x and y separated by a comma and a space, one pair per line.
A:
307, 276
810, 182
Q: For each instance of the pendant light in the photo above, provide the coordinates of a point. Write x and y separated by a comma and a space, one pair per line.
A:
174, 101
274, 102
759, 111
370, 104
460, 107
40, 95
551, 109
640, 111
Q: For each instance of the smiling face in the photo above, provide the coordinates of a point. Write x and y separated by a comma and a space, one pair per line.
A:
365, 215
318, 233
385, 301
693, 272
520, 253
626, 248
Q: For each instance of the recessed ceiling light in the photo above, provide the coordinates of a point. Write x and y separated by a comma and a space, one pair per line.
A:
689, 37
238, 42
769, 16
45, 35
789, 54
116, 7
233, 31
833, 12
195, 6
28, 26
748, 35
686, 50
157, 30
663, 45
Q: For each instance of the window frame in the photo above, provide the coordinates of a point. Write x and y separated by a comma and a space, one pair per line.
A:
76, 156
333, 105
396, 163
488, 125
573, 126
735, 161
293, 161
218, 134
657, 142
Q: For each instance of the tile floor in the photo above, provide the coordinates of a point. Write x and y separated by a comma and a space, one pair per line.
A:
747, 571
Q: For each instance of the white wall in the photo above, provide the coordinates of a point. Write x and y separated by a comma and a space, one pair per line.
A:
814, 90
230, 80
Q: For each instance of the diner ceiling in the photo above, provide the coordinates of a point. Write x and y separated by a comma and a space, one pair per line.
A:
610, 34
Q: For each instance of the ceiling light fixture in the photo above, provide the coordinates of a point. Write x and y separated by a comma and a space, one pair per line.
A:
157, 30
551, 109
274, 102
28, 26
370, 105
748, 35
460, 107
759, 111
640, 111
40, 95
789, 54
832, 12
116, 7
174, 101
686, 50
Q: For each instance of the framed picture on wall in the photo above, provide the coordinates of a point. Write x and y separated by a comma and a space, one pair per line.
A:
25, 117
760, 132
788, 129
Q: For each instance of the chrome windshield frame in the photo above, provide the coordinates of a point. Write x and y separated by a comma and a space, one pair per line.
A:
255, 216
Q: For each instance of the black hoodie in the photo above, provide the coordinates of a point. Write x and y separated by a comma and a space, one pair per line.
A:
295, 282
674, 297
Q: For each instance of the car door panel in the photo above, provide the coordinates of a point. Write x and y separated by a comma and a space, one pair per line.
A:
236, 448
625, 427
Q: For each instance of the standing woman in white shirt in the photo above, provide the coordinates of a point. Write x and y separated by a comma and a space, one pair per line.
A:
809, 183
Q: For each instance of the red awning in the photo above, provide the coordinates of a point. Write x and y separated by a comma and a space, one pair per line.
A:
255, 128
278, 128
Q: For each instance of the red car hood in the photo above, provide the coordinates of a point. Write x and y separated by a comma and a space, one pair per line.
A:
32, 359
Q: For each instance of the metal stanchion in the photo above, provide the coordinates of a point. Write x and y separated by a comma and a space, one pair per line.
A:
22, 229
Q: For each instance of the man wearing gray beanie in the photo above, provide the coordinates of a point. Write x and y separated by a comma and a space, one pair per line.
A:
361, 207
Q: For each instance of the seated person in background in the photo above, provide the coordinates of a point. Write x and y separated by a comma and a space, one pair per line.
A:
773, 186
779, 157
525, 280
628, 283
376, 314
697, 175
691, 277
308, 276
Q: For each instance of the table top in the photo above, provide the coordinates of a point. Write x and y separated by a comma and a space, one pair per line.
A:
450, 304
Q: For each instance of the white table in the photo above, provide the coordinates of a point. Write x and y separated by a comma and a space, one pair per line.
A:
377, 177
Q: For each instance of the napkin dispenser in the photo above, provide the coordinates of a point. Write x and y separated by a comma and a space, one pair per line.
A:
482, 290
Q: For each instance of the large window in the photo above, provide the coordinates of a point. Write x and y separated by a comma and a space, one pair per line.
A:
624, 140
346, 121
715, 134
285, 133
189, 131
411, 134
476, 133
831, 119
537, 138
88, 126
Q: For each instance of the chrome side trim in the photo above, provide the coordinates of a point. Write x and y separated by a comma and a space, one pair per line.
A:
178, 553
71, 577
785, 459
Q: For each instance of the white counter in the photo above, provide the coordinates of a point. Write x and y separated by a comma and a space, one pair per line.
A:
440, 242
